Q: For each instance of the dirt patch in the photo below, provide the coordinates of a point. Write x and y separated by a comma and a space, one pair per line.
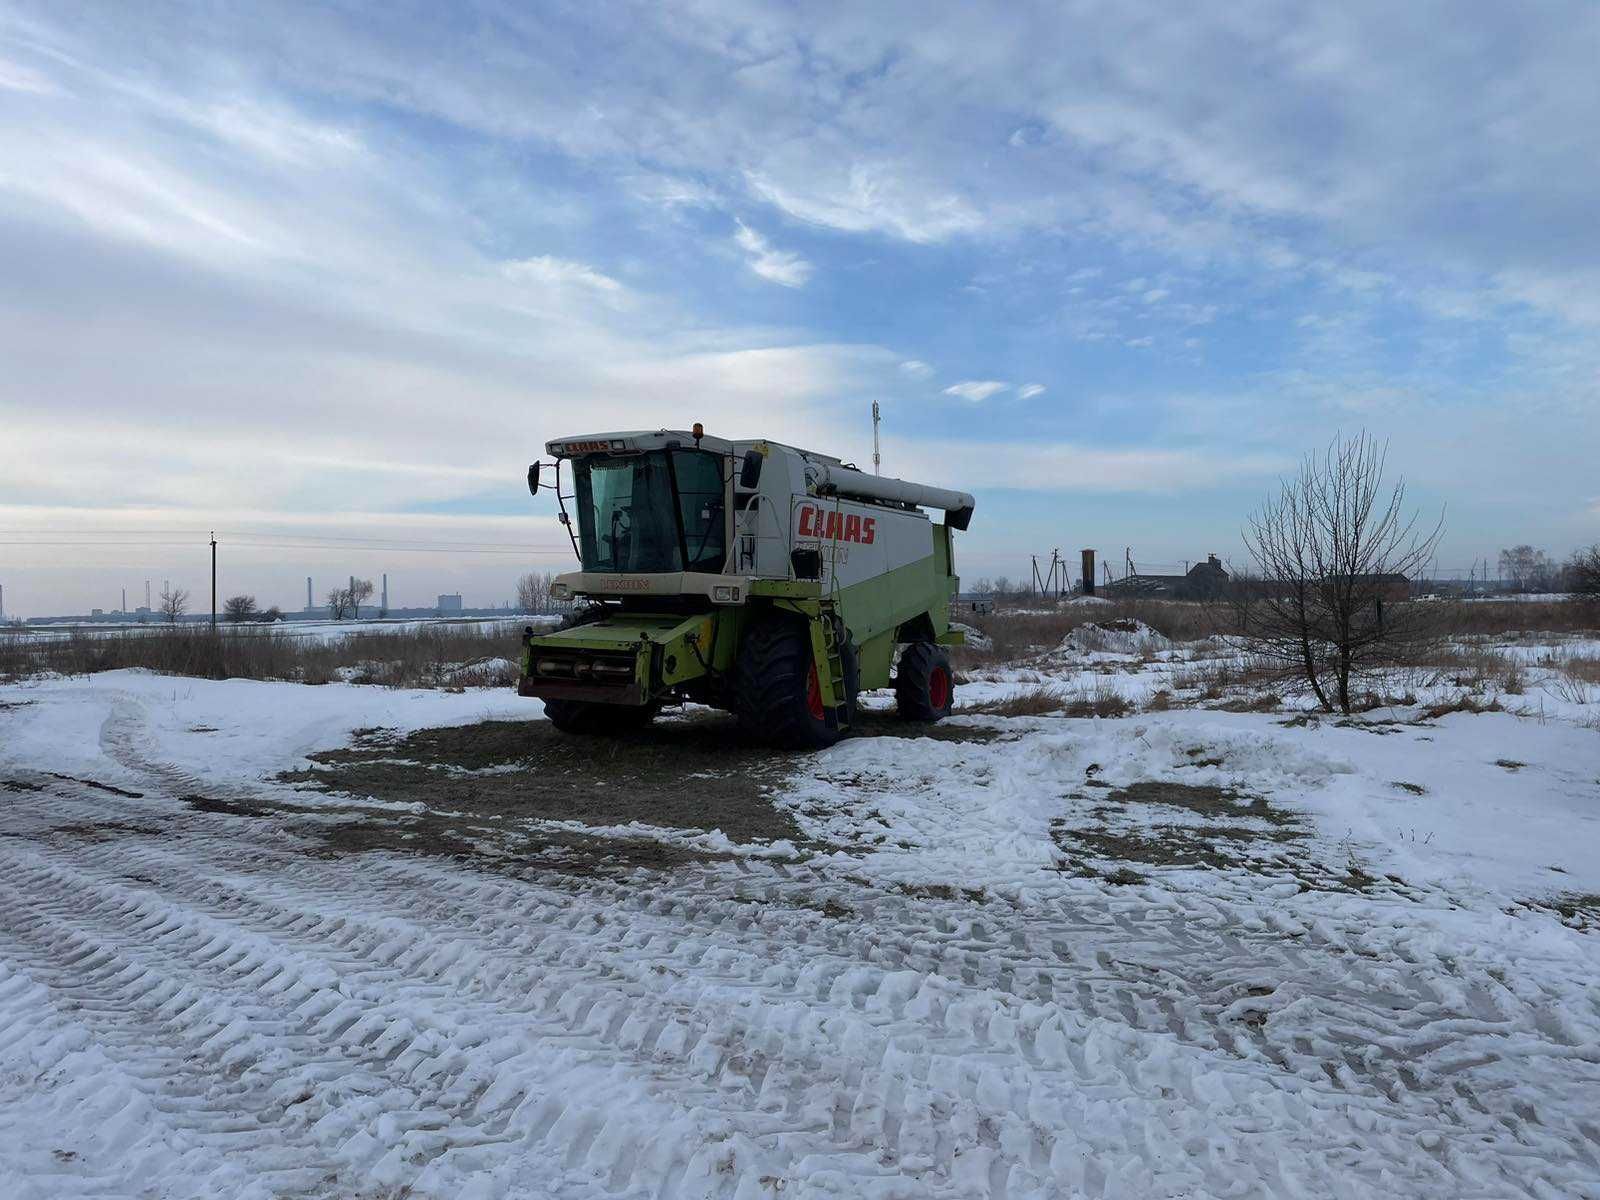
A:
879, 724
499, 846
232, 808
1579, 909
692, 773
1213, 846
100, 831
1205, 799
97, 786
1234, 830
943, 891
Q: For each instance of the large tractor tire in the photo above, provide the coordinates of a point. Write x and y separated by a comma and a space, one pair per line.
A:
924, 686
585, 716
776, 690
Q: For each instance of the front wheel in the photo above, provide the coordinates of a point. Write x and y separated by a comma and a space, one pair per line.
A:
777, 693
586, 716
924, 687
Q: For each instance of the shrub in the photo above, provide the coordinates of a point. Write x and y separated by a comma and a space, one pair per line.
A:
427, 656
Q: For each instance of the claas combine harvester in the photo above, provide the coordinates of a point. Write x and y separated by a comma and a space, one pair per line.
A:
747, 575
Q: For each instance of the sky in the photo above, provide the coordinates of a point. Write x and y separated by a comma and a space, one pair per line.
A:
325, 277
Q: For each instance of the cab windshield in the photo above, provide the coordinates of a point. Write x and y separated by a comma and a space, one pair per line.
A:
661, 510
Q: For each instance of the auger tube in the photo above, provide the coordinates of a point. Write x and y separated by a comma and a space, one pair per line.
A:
830, 479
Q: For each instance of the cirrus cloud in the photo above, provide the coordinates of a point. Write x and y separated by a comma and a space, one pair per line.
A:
976, 390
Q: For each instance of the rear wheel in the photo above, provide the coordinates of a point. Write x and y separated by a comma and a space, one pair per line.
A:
777, 692
585, 716
924, 686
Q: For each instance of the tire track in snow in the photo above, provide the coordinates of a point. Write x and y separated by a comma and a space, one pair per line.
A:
418, 903
733, 1036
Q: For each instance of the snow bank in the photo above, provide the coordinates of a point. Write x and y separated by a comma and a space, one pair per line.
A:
1126, 636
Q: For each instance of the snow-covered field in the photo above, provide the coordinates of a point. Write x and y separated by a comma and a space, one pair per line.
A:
1179, 953
321, 631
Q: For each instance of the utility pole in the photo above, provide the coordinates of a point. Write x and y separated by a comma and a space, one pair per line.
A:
877, 459
213, 581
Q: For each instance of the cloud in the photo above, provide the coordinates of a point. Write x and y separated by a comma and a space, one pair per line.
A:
871, 198
1071, 467
17, 78
777, 266
438, 240
565, 278
976, 390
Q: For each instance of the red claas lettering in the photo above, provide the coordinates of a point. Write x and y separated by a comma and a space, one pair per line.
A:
832, 525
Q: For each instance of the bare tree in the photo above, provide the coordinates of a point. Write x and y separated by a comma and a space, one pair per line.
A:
1002, 588
1583, 572
338, 603
174, 603
239, 608
360, 591
533, 593
1332, 555
1528, 569
982, 587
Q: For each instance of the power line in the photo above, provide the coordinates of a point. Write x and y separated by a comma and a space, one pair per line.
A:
142, 538
444, 548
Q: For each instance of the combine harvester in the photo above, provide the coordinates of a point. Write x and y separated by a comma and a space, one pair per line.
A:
750, 576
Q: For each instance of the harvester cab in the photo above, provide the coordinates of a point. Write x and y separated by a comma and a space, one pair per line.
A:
747, 575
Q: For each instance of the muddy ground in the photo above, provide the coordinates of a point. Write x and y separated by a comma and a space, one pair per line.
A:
490, 790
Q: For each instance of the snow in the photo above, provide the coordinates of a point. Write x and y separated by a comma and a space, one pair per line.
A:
324, 630
1125, 637
940, 990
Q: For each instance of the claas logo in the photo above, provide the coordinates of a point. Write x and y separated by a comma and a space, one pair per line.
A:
831, 525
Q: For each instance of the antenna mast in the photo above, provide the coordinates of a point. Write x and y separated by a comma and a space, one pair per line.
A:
877, 459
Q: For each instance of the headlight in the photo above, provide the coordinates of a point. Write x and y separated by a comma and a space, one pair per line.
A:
722, 594
561, 591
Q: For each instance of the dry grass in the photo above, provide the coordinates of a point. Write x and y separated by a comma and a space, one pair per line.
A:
1217, 678
1582, 668
1491, 618
1016, 635
1464, 702
1101, 700
443, 656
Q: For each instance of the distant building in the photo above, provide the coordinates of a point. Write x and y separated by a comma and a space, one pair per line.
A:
1205, 581
450, 604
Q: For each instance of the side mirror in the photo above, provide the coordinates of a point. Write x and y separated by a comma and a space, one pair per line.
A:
750, 471
533, 479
